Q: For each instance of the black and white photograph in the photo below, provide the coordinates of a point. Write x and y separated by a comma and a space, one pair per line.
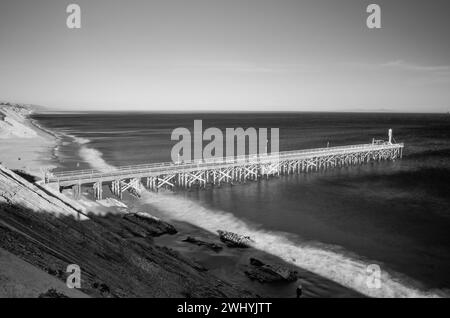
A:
237, 152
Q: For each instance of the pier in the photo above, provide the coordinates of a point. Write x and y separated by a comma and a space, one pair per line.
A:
214, 172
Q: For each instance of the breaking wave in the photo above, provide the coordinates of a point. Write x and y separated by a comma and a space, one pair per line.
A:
80, 140
95, 159
92, 156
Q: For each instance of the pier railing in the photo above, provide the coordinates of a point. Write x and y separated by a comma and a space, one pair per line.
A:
194, 165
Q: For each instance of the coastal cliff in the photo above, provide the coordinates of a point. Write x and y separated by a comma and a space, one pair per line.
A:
116, 252
12, 122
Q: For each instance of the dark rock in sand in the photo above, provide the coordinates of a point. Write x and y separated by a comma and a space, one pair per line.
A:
103, 288
235, 240
265, 273
153, 225
213, 246
52, 293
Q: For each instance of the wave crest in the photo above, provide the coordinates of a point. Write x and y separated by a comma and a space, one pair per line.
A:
95, 159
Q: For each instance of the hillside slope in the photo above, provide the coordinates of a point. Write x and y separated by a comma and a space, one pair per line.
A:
116, 254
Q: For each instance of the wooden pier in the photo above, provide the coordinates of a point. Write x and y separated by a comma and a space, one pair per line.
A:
215, 172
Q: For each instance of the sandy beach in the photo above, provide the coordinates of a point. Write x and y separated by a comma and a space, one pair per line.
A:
23, 145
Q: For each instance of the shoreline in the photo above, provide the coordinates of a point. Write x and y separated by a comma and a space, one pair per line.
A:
25, 145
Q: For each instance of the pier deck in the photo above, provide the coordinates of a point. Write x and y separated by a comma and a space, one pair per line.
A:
225, 170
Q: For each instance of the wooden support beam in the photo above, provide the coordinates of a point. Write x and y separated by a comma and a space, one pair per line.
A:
98, 190
165, 180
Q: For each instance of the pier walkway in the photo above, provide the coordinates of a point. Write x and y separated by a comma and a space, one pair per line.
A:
201, 173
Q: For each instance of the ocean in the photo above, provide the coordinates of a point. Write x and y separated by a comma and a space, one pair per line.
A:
332, 223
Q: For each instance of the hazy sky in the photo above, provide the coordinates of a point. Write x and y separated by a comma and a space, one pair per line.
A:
224, 55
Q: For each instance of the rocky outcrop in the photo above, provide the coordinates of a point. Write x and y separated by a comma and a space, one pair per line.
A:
153, 225
266, 273
52, 293
212, 246
235, 240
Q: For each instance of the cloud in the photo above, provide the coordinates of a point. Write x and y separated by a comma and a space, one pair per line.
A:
400, 64
232, 66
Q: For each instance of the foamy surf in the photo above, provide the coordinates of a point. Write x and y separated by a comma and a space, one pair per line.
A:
92, 156
340, 268
80, 140
95, 159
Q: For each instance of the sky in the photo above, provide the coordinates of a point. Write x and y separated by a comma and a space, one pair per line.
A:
227, 55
